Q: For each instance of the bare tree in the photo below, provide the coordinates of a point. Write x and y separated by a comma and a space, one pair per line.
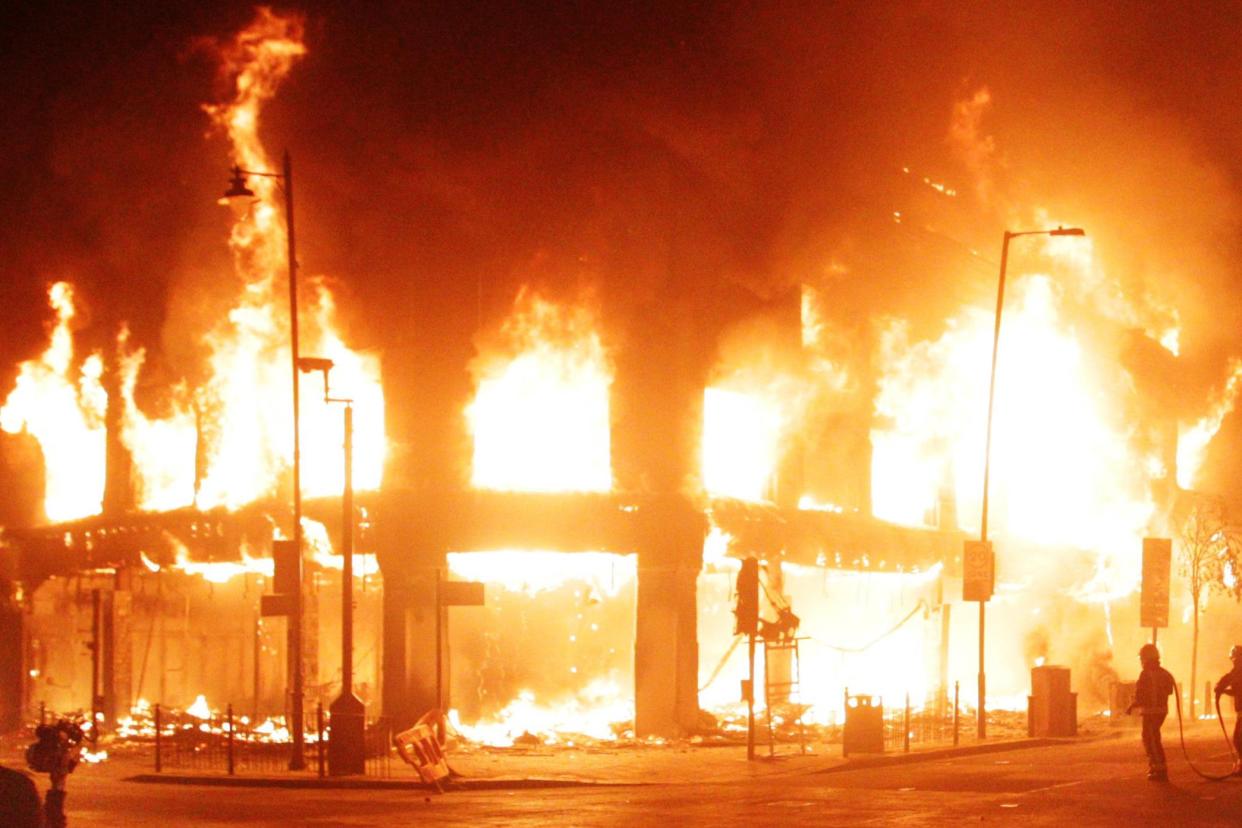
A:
1209, 558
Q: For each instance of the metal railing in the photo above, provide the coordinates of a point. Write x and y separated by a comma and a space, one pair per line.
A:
223, 742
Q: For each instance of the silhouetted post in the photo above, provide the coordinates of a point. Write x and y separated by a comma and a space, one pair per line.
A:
982, 722
229, 714
905, 733
956, 690
319, 722
159, 765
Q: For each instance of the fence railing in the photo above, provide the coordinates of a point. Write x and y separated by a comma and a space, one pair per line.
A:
224, 742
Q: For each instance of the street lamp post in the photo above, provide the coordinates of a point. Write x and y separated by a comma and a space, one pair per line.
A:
238, 191
982, 725
346, 747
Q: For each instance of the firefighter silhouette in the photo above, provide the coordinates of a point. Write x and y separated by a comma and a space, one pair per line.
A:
1151, 697
1230, 684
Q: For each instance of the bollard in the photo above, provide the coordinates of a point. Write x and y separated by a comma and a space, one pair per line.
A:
905, 735
845, 706
230, 741
319, 724
956, 689
158, 763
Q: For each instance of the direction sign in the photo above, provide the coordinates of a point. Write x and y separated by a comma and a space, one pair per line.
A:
1154, 598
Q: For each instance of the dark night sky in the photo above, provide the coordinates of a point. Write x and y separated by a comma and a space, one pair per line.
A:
448, 148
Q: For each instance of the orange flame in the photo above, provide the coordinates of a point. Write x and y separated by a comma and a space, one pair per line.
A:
540, 414
66, 417
243, 431
1192, 441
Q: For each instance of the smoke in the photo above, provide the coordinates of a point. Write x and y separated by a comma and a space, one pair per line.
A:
976, 151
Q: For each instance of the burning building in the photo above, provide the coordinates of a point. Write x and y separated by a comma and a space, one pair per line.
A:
627, 391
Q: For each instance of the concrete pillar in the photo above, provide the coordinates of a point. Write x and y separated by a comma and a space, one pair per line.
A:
666, 648
116, 686
13, 631
409, 667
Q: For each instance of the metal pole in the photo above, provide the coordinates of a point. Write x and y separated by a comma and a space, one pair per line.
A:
258, 654
439, 611
230, 739
319, 722
905, 733
956, 690
297, 760
982, 724
347, 748
347, 549
159, 765
96, 609
750, 700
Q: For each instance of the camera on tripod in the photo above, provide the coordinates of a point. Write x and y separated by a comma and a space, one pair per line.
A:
57, 748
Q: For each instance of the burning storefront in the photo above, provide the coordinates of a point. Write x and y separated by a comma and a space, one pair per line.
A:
598, 442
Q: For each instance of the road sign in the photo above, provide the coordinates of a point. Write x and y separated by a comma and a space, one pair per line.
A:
461, 593
279, 604
978, 571
1154, 598
287, 568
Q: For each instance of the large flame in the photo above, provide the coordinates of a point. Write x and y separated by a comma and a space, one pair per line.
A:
1193, 440
540, 414
551, 653
247, 396
741, 443
65, 414
1065, 472
229, 441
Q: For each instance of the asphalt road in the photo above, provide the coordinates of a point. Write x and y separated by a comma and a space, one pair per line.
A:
1094, 783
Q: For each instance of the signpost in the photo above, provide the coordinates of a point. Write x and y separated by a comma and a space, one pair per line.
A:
1154, 597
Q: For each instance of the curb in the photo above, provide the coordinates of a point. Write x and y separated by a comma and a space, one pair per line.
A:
889, 760
365, 783
528, 783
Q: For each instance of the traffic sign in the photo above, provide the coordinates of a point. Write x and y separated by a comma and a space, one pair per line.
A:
978, 571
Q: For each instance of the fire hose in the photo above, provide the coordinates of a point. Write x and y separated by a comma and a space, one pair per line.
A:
1181, 732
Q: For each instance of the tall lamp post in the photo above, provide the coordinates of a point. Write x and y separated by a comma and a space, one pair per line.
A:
987, 449
346, 748
239, 193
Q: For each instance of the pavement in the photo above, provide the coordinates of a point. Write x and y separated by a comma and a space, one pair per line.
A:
1097, 780
480, 768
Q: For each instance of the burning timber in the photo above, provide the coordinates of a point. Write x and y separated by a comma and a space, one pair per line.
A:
411, 533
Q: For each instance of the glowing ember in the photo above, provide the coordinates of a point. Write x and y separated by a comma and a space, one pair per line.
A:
594, 713
65, 415
540, 415
199, 709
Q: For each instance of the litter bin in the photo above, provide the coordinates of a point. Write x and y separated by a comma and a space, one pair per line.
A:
1052, 710
864, 725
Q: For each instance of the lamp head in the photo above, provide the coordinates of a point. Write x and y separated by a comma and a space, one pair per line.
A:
1067, 231
238, 196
